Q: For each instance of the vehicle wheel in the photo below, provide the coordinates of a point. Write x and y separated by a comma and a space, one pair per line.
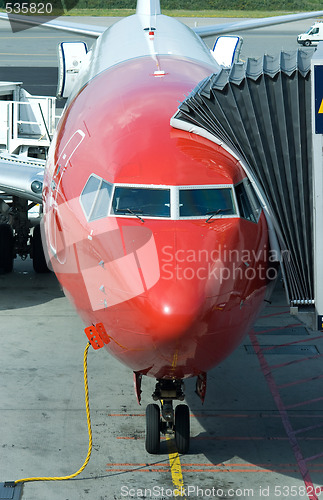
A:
307, 43
152, 429
182, 428
38, 256
6, 249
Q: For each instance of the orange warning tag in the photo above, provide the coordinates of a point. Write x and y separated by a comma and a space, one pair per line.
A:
94, 338
102, 333
97, 335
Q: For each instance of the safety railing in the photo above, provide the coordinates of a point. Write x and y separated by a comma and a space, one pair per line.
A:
28, 122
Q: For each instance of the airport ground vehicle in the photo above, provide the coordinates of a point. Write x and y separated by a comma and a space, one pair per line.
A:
312, 36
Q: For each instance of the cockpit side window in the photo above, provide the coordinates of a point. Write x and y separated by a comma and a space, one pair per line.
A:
197, 202
149, 202
248, 203
254, 200
96, 198
89, 193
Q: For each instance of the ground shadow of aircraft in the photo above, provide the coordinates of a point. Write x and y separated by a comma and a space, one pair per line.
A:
25, 288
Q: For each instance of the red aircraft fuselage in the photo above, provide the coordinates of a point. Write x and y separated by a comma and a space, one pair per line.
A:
175, 294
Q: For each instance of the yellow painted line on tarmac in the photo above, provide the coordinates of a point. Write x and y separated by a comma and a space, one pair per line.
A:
175, 467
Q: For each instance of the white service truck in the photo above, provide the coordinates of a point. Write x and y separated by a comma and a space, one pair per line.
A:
312, 36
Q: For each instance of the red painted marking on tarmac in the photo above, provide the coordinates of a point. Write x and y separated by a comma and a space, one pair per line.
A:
203, 464
136, 438
290, 343
277, 328
273, 314
226, 469
301, 381
306, 429
236, 438
125, 414
314, 457
303, 403
284, 416
194, 470
128, 437
222, 415
203, 467
294, 362
135, 464
296, 415
150, 469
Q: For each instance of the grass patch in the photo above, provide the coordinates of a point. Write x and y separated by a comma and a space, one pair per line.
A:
178, 13
101, 12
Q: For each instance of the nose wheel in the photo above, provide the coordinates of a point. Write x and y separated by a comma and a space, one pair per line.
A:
182, 428
167, 421
153, 424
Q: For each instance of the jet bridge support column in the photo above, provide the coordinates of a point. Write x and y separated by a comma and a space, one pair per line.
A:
317, 128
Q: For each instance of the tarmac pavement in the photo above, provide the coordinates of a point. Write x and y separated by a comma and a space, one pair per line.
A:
258, 435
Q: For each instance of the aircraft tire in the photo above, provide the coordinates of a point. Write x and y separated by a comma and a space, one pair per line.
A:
38, 256
182, 428
6, 249
152, 429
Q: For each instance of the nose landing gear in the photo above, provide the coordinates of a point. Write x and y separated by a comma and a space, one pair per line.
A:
182, 428
169, 422
153, 428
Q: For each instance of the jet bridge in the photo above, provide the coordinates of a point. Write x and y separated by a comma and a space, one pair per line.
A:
260, 111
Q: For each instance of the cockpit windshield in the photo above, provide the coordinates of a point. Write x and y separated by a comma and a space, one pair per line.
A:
197, 202
100, 199
149, 202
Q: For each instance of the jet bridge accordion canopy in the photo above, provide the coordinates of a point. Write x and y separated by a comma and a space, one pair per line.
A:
261, 111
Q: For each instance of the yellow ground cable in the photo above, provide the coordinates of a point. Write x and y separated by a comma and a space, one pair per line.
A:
86, 389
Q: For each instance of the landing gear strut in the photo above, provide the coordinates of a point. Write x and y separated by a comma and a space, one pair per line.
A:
20, 235
167, 421
6, 249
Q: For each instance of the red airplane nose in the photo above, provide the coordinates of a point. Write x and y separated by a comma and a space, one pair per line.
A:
173, 313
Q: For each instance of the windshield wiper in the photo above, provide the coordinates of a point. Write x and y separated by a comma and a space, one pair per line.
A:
216, 212
129, 210
134, 213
